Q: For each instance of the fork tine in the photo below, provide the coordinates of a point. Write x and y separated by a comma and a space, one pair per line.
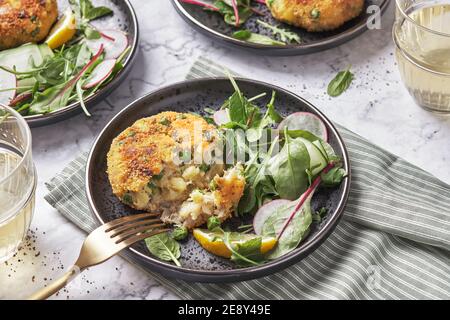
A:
133, 231
127, 219
115, 231
128, 242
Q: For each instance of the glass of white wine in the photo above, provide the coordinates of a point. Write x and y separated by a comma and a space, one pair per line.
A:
422, 37
17, 181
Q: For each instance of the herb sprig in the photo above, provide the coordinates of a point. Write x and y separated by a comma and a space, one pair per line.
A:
340, 83
285, 35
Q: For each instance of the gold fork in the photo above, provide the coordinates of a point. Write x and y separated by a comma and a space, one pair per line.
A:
105, 242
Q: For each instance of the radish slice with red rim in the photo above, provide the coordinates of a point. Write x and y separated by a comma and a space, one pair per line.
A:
221, 117
7, 81
305, 121
265, 212
115, 43
100, 73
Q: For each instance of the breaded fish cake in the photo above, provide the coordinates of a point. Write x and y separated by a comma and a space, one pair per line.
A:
23, 21
153, 166
315, 15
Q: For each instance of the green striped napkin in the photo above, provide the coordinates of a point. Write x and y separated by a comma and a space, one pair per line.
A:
393, 242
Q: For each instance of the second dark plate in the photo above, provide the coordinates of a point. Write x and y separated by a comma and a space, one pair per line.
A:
124, 19
211, 24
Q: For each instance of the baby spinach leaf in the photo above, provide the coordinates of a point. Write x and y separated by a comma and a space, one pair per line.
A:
288, 169
164, 247
236, 109
91, 33
340, 83
242, 34
89, 12
302, 134
295, 232
248, 201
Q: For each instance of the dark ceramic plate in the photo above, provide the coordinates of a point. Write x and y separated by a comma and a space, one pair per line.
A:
124, 19
211, 24
199, 265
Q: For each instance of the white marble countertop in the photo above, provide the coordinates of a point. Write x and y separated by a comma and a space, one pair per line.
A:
377, 106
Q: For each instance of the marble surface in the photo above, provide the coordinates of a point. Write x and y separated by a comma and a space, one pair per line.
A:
377, 107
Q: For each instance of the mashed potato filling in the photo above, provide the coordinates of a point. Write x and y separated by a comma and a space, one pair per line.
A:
150, 169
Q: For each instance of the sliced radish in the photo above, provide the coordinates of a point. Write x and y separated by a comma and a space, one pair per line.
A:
305, 121
7, 81
100, 73
265, 212
115, 43
221, 117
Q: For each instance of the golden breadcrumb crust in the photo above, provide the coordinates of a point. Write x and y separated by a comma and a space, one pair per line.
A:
315, 15
142, 150
23, 21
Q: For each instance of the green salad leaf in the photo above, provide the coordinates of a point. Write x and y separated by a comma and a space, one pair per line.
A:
333, 177
288, 169
164, 247
295, 232
340, 83
244, 254
85, 12
226, 9
252, 37
285, 35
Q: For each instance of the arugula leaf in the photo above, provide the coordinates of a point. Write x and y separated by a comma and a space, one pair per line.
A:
53, 98
164, 247
272, 112
340, 83
285, 35
249, 36
288, 169
271, 117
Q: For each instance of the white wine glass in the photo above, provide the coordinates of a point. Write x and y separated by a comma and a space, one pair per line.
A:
17, 181
422, 37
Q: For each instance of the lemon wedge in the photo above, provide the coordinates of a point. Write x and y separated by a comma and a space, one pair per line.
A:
212, 241
62, 31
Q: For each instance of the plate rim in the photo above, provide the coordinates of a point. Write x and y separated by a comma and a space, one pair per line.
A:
248, 273
43, 119
314, 46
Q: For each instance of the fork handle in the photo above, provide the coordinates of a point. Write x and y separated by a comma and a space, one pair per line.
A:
56, 285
